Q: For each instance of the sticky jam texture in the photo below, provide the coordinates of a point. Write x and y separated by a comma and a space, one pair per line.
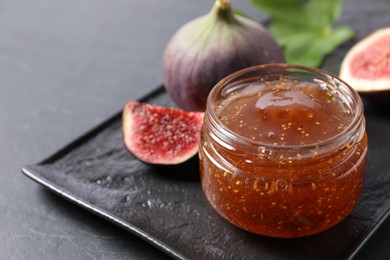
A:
291, 192
284, 112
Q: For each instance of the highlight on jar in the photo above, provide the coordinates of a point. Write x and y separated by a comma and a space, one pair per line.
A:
283, 150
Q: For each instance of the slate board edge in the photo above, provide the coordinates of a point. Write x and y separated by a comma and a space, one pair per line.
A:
370, 232
99, 212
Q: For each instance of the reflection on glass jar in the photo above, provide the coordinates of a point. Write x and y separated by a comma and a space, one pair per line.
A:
283, 150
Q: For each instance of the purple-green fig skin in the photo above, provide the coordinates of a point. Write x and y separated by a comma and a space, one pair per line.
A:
209, 48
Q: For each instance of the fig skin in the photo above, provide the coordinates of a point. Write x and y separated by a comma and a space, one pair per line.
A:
375, 81
160, 135
211, 47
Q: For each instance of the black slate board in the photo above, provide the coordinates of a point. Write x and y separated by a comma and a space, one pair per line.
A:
166, 206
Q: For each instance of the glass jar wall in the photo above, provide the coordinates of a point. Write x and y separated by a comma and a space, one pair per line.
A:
283, 150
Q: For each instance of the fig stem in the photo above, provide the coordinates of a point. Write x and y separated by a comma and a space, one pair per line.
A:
223, 11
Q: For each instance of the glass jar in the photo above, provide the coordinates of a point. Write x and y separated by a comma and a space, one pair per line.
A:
283, 150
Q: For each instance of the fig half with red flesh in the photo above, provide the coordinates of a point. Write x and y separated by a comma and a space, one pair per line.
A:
366, 67
160, 135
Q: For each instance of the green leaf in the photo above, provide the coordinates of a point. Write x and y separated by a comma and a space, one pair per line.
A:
323, 13
282, 10
305, 28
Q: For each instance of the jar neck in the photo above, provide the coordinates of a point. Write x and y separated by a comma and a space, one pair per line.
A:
231, 141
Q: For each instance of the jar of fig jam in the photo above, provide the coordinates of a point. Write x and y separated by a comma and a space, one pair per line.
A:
283, 150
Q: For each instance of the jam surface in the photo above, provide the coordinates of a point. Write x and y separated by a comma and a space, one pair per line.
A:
283, 192
284, 112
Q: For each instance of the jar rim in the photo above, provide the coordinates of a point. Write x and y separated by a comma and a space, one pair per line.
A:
352, 127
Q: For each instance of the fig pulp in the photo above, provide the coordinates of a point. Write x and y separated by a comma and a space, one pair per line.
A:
366, 67
207, 49
160, 135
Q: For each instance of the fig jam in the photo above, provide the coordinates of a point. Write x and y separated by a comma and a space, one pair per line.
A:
283, 150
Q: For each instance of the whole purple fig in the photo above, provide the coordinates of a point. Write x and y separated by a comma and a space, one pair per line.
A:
209, 48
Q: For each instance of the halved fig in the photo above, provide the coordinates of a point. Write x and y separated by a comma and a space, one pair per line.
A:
160, 135
366, 67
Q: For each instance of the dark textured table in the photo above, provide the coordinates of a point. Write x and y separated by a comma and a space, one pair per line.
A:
65, 66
